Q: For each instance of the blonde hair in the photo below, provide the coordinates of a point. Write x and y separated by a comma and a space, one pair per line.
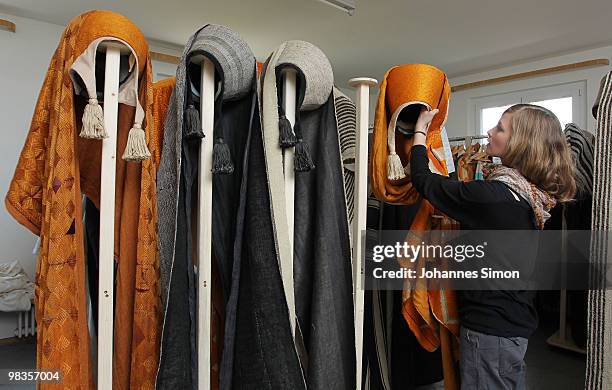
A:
538, 150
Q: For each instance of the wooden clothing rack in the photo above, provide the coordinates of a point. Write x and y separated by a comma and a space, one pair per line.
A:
107, 215
466, 137
204, 221
362, 86
562, 338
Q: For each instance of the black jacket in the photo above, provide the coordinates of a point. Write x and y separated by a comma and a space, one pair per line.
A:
481, 205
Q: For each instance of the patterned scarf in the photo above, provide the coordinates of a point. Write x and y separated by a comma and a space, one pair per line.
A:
540, 201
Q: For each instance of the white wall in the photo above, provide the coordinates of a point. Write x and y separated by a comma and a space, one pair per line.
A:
461, 119
461, 113
25, 59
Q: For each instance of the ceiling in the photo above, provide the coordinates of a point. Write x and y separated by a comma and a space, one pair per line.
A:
458, 36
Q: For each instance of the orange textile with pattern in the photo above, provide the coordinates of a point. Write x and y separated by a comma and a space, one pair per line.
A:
162, 90
412, 83
468, 162
55, 167
430, 306
430, 311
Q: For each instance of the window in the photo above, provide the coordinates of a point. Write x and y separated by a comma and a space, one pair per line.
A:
489, 117
566, 101
561, 107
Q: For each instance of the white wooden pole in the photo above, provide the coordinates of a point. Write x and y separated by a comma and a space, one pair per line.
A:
205, 184
107, 216
362, 85
289, 103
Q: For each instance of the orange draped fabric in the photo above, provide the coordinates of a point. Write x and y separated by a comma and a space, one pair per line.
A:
430, 310
54, 169
162, 90
403, 84
467, 164
430, 306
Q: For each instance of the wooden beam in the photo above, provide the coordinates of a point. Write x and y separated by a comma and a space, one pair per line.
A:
533, 73
7, 25
165, 57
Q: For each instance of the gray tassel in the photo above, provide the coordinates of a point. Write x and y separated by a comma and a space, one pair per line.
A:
302, 158
222, 158
192, 123
93, 121
136, 149
286, 137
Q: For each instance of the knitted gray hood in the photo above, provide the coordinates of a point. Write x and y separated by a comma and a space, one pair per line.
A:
235, 61
235, 77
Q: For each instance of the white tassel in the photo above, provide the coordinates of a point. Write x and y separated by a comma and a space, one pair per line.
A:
395, 170
93, 121
136, 149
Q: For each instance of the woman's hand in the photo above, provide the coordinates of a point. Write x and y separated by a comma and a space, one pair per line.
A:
422, 125
425, 119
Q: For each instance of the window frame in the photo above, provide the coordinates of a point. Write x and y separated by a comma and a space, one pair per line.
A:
576, 90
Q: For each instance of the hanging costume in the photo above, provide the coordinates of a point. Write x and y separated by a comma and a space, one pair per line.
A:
346, 113
599, 350
322, 257
392, 355
55, 166
581, 143
235, 104
162, 91
265, 355
469, 164
403, 91
578, 217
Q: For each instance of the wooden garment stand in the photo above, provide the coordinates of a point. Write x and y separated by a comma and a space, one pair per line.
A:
204, 242
363, 85
107, 213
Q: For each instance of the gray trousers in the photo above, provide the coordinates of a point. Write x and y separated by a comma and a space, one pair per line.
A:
492, 362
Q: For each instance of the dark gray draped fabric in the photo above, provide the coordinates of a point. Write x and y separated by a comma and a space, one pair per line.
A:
235, 99
262, 355
322, 258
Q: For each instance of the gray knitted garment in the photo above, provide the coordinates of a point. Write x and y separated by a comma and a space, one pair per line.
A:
236, 60
235, 70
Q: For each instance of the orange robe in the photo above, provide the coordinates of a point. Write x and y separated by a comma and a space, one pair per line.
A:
54, 169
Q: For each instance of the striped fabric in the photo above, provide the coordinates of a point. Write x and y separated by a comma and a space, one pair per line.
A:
346, 115
599, 350
581, 144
